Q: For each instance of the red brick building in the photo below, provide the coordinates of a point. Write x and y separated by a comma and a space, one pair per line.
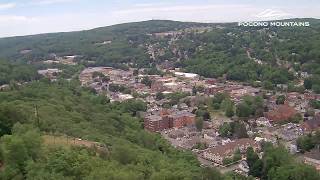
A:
167, 119
181, 118
155, 123
281, 113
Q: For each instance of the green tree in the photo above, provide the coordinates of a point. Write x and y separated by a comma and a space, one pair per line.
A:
280, 99
294, 172
159, 96
256, 169
243, 110
9, 115
237, 155
225, 130
307, 83
211, 174
203, 113
18, 150
239, 130
305, 143
254, 163
134, 106
219, 97
146, 81
252, 156
268, 85
199, 123
316, 88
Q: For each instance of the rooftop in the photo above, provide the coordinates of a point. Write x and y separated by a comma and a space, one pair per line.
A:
313, 154
229, 148
154, 118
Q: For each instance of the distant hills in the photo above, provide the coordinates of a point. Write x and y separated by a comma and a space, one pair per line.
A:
210, 49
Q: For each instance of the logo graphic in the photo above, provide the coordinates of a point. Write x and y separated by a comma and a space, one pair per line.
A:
274, 18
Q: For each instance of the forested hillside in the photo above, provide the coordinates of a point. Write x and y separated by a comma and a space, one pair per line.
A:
16, 72
268, 55
39, 110
64, 108
124, 48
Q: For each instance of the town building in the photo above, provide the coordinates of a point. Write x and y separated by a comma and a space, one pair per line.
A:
164, 119
312, 125
313, 158
86, 75
179, 119
187, 75
218, 154
4, 87
281, 113
50, 73
262, 121
155, 123
243, 166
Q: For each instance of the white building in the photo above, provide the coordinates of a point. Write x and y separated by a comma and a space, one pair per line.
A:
187, 75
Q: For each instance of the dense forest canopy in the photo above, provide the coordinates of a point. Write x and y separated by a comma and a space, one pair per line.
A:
16, 72
63, 108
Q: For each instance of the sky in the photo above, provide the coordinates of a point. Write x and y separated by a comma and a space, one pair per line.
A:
25, 17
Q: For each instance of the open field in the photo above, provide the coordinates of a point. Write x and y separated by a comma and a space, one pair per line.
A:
68, 141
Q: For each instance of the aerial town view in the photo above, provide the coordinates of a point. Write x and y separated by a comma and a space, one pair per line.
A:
136, 90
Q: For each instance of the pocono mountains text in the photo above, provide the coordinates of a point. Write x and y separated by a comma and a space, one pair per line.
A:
274, 24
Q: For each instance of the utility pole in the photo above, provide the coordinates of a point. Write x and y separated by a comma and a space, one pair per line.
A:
36, 114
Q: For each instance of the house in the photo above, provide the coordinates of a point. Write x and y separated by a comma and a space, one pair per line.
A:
210, 81
281, 113
292, 147
124, 97
190, 142
209, 134
289, 132
86, 75
155, 123
243, 166
25, 51
4, 87
176, 133
217, 154
260, 139
50, 73
313, 158
165, 119
213, 89
262, 121
312, 125
187, 75
179, 119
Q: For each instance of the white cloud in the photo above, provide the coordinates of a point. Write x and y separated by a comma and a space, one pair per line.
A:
150, 4
14, 18
190, 12
144, 8
24, 25
273, 14
7, 6
48, 2
12, 25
